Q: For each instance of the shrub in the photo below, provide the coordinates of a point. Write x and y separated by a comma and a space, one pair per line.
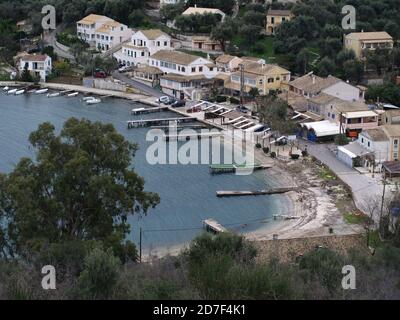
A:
341, 140
295, 156
266, 149
221, 99
234, 100
258, 145
273, 154
304, 153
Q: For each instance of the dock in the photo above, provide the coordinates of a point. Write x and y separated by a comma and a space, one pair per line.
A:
211, 225
222, 194
232, 168
190, 136
139, 111
158, 122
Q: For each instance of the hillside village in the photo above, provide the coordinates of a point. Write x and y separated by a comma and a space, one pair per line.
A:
320, 102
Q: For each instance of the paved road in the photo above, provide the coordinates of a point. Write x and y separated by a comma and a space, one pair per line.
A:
138, 85
50, 39
364, 188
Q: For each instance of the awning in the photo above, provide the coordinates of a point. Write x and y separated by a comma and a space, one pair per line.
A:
323, 128
354, 150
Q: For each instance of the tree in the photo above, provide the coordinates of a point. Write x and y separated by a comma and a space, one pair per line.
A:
378, 59
100, 275
353, 70
62, 68
224, 32
26, 75
302, 61
80, 187
325, 67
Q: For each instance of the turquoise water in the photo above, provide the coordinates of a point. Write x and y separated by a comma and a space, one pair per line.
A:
187, 192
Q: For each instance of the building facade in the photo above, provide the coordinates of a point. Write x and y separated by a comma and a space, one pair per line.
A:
38, 65
275, 19
360, 42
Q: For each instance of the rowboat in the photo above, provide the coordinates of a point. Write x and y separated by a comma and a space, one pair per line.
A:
74, 94
6, 88
12, 91
88, 98
19, 92
41, 91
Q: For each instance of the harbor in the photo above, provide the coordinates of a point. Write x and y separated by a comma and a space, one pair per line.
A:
222, 194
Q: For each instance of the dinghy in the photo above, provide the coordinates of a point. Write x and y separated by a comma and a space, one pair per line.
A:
12, 91
19, 92
88, 98
6, 88
41, 91
93, 101
74, 94
51, 95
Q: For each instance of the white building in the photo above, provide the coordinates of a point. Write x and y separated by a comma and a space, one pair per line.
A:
183, 64
102, 32
37, 65
165, 2
143, 44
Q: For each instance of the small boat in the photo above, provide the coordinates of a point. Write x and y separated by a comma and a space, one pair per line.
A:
12, 91
6, 88
19, 92
88, 98
93, 101
41, 91
31, 91
51, 95
74, 94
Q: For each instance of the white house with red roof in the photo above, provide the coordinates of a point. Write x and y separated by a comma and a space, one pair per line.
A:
37, 64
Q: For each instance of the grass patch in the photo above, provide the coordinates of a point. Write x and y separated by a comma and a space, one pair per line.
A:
352, 218
326, 174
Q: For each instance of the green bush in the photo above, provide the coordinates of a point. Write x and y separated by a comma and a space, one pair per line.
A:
273, 154
341, 140
220, 99
304, 153
266, 149
258, 145
295, 156
234, 100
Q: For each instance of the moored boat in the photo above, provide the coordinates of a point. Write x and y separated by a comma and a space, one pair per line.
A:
74, 94
93, 101
19, 92
41, 91
12, 91
51, 95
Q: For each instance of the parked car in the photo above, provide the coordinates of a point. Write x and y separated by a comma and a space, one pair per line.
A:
123, 69
164, 99
178, 104
98, 73
242, 109
171, 101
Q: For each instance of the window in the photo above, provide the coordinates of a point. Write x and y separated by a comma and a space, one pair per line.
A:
183, 69
369, 144
165, 43
193, 69
333, 116
261, 81
362, 140
272, 20
200, 69
270, 80
142, 54
158, 43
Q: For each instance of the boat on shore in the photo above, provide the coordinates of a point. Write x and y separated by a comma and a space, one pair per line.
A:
6, 88
19, 92
41, 91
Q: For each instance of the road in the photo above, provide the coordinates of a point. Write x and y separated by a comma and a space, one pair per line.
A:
50, 39
364, 188
138, 85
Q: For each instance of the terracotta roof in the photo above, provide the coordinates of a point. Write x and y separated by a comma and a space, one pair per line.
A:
175, 56
381, 35
346, 106
153, 34
312, 83
197, 10
392, 130
377, 134
93, 18
225, 58
282, 13
34, 57
296, 102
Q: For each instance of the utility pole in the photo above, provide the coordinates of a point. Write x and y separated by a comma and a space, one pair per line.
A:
241, 82
140, 245
383, 194
340, 130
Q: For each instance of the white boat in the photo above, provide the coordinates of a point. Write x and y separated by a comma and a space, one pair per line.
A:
12, 91
93, 101
6, 88
51, 95
19, 92
41, 91
88, 98
31, 91
74, 94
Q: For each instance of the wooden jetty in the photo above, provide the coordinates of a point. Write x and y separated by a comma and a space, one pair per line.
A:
213, 226
138, 111
285, 217
158, 122
232, 168
189, 136
221, 194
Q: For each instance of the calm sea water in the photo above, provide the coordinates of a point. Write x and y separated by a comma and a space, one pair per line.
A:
187, 192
